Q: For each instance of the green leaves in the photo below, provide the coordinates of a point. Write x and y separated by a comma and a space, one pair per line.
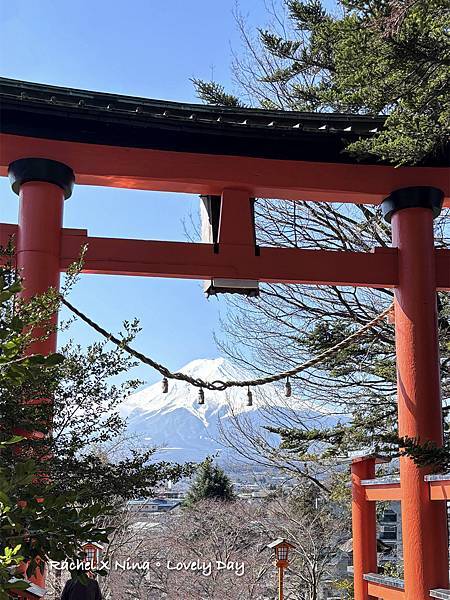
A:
15, 439
214, 93
307, 15
376, 57
52, 360
11, 555
58, 481
30, 527
278, 46
427, 454
7, 291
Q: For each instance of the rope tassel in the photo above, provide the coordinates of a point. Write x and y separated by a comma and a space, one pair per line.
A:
288, 388
201, 396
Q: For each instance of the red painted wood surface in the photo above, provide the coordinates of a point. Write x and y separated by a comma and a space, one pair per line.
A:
39, 245
364, 528
207, 174
384, 592
440, 490
147, 258
425, 536
383, 492
198, 261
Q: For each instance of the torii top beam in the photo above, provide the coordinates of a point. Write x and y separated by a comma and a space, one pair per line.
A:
129, 142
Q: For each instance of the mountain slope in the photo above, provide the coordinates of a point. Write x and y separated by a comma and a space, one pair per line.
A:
187, 430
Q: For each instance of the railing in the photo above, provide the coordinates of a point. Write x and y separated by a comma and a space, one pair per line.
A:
441, 594
388, 488
387, 588
393, 588
367, 489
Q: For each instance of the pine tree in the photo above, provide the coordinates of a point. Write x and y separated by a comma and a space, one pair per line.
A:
211, 483
387, 57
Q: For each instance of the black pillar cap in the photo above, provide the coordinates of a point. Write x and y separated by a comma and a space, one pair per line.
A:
41, 169
413, 197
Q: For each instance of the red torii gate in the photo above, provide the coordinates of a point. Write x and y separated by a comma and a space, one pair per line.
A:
53, 136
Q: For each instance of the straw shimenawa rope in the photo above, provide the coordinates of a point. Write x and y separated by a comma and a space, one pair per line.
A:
223, 385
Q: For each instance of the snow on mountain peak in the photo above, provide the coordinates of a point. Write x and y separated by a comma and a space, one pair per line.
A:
150, 400
184, 429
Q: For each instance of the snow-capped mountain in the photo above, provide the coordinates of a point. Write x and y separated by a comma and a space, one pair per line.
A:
185, 429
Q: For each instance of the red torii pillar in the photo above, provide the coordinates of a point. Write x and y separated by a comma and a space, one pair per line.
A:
42, 186
425, 536
364, 526
424, 522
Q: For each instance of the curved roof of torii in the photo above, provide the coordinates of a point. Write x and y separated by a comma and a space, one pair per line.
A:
46, 111
43, 112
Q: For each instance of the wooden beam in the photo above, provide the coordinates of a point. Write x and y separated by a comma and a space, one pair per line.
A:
383, 492
138, 168
185, 260
377, 590
199, 261
440, 490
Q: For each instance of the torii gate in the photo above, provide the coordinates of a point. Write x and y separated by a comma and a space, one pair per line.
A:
52, 137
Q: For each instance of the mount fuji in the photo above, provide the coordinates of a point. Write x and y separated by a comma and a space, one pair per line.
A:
185, 430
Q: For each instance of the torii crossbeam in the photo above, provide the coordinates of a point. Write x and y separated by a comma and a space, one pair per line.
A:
52, 137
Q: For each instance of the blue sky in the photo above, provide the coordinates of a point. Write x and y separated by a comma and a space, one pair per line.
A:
140, 47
